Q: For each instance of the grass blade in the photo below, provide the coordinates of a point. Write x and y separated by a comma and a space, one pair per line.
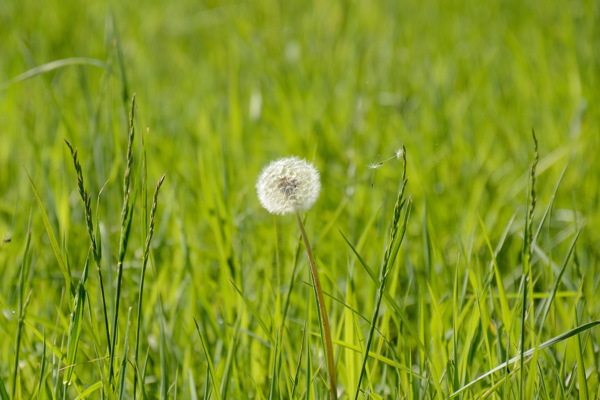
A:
164, 376
54, 65
389, 299
42, 368
125, 359
75, 324
525, 354
3, 392
557, 282
91, 389
211, 368
581, 378
53, 243
255, 313
230, 356
22, 308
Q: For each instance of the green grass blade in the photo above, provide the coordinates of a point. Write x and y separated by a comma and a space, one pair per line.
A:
548, 343
360, 259
164, 375
504, 307
581, 378
89, 390
230, 357
308, 368
3, 392
557, 281
548, 210
53, 243
299, 364
211, 368
193, 392
75, 324
255, 313
53, 348
54, 65
389, 299
22, 308
42, 368
125, 358
275, 368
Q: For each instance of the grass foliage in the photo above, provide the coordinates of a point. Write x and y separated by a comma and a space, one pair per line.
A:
465, 266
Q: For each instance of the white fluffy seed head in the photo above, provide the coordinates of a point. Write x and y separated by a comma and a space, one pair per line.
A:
288, 185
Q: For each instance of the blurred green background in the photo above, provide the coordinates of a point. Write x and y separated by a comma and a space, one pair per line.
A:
222, 88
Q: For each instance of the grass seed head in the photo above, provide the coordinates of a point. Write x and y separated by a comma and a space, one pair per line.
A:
288, 185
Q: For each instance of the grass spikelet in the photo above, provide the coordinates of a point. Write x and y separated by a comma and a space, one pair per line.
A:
96, 249
526, 256
85, 197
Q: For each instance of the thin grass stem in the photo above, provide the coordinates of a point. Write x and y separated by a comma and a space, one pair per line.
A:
144, 265
323, 318
96, 249
126, 219
21, 313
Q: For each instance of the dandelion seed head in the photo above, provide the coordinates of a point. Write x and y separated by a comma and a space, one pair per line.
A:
288, 185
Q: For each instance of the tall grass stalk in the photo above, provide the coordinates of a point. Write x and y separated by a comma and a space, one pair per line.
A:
126, 219
397, 231
526, 280
96, 247
142, 277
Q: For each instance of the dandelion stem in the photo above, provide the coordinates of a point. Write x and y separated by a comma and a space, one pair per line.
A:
326, 333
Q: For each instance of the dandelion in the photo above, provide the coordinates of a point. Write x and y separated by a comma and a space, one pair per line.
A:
288, 185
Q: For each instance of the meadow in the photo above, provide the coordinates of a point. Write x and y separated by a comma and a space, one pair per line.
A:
455, 232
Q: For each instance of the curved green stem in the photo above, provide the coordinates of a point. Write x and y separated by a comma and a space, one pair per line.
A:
326, 332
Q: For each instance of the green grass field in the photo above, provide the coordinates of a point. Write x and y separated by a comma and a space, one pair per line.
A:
195, 291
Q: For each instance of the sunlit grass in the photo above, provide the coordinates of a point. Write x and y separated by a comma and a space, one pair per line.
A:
113, 288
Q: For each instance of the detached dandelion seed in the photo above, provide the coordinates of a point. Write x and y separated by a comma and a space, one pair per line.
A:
288, 185
398, 155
